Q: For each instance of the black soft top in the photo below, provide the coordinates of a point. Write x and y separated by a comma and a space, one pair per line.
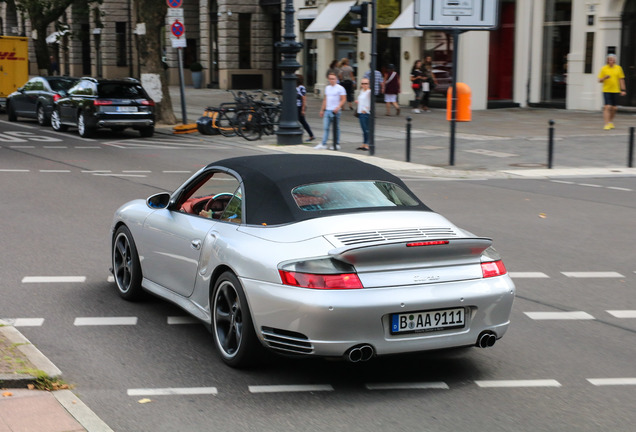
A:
269, 179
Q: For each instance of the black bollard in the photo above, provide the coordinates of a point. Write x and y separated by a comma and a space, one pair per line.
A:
408, 139
335, 131
630, 150
550, 143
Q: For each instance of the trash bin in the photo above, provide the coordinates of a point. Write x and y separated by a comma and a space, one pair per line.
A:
463, 103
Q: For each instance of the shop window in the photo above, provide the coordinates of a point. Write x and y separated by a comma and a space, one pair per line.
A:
120, 43
245, 41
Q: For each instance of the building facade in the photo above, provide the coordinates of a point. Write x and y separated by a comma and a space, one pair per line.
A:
543, 53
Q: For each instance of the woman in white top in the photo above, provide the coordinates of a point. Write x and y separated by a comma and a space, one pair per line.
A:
364, 112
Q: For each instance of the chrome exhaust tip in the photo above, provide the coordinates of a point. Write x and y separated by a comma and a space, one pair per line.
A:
486, 339
360, 353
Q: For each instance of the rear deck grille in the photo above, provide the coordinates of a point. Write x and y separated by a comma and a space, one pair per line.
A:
286, 341
410, 234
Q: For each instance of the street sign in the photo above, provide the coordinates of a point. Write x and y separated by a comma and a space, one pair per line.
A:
174, 3
456, 14
175, 13
177, 28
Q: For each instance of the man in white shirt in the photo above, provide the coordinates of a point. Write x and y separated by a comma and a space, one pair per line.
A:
332, 103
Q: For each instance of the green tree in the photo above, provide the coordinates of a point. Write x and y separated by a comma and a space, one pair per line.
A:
41, 14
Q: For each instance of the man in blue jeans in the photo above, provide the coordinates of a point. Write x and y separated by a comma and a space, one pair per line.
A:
332, 103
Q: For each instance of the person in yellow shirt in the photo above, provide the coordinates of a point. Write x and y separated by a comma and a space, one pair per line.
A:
613, 79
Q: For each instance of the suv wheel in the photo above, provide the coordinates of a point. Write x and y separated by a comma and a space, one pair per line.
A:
43, 120
84, 130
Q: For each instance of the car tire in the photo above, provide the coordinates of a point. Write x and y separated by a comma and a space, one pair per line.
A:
84, 130
56, 121
43, 120
11, 113
147, 132
126, 267
232, 327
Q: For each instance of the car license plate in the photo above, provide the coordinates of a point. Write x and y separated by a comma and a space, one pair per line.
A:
418, 322
127, 109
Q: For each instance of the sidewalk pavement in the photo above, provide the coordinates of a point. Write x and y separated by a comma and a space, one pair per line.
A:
509, 142
25, 410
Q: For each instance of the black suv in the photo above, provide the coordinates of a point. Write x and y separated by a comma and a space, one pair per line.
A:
100, 103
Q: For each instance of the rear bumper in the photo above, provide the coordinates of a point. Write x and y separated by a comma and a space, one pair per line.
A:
127, 122
328, 323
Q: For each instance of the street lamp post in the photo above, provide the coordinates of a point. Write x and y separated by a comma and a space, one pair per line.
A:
289, 130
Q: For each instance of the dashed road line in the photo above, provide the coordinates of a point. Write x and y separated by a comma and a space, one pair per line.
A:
518, 383
593, 274
612, 381
292, 388
616, 188
104, 321
15, 170
408, 386
54, 279
177, 320
577, 315
622, 313
528, 275
172, 391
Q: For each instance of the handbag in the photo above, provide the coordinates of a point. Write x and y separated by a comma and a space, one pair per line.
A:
415, 86
356, 114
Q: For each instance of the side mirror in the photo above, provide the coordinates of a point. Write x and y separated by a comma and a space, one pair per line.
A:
158, 201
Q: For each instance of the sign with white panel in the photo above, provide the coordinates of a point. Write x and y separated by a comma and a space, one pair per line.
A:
456, 14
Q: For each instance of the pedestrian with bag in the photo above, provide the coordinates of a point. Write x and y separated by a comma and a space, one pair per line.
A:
363, 112
417, 78
301, 103
428, 83
613, 79
391, 90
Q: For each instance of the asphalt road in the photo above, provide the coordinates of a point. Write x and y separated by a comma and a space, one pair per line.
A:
566, 364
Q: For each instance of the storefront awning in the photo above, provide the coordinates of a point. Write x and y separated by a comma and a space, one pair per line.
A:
404, 25
306, 13
328, 19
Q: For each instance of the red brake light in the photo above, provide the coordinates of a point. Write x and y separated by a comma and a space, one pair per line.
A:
56, 97
321, 281
493, 268
148, 102
428, 243
102, 102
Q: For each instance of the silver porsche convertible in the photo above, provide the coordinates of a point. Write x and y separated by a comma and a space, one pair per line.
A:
311, 255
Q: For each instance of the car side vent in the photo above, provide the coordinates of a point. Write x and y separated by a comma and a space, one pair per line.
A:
287, 341
410, 234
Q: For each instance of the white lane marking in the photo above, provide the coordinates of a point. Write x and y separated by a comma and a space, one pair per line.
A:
104, 321
491, 153
290, 388
563, 181
87, 147
110, 279
176, 172
592, 274
21, 147
521, 275
95, 171
14, 170
612, 381
182, 320
407, 386
54, 147
136, 171
119, 175
55, 171
590, 185
579, 315
620, 189
28, 322
518, 383
623, 313
172, 391
54, 279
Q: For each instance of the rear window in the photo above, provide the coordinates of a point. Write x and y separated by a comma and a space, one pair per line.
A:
350, 195
60, 84
121, 91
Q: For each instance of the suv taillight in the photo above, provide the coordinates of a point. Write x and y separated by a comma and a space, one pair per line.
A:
148, 102
102, 102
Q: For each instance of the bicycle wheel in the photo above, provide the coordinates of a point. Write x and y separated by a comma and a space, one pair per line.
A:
224, 122
248, 125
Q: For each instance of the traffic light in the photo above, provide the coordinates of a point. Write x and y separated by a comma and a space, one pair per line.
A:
362, 10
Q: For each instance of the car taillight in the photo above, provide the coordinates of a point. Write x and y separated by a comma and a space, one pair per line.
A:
56, 97
320, 281
493, 268
148, 102
325, 273
102, 102
428, 243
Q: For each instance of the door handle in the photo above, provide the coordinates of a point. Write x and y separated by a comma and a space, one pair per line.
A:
196, 244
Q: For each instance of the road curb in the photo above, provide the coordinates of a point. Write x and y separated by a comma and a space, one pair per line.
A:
35, 357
